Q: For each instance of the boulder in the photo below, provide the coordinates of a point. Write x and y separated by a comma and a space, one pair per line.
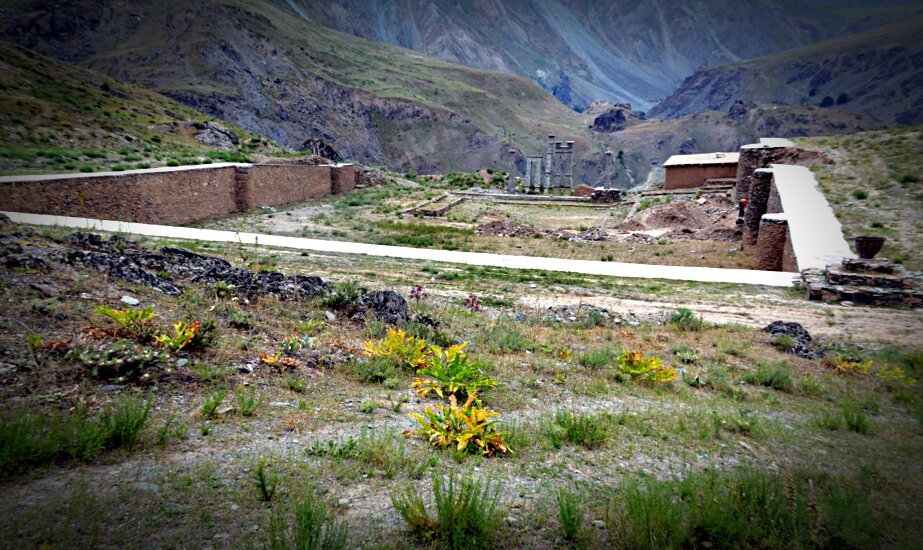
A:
386, 305
215, 134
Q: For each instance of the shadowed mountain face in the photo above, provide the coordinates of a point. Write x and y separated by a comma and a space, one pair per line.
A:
583, 50
879, 73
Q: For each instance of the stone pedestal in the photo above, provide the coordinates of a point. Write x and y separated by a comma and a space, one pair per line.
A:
770, 247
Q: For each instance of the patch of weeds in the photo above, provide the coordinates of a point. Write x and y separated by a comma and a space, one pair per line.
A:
375, 370
856, 420
247, 401
685, 355
587, 431
595, 358
265, 480
345, 296
829, 420
684, 319
29, 439
503, 336
367, 407
295, 384
211, 402
402, 351
466, 512
310, 524
466, 428
635, 365
776, 375
810, 386
451, 373
119, 361
239, 318
570, 514
784, 342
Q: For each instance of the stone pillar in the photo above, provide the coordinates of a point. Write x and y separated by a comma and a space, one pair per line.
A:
607, 164
774, 204
569, 165
510, 182
761, 181
549, 163
773, 237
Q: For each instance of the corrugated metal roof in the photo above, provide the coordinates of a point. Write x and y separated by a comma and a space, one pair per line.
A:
703, 158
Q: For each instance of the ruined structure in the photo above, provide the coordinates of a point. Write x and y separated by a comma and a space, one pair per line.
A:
687, 171
174, 195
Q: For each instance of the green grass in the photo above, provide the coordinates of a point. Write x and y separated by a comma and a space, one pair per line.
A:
30, 439
583, 430
465, 512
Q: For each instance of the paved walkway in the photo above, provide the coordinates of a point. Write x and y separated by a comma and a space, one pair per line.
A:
613, 269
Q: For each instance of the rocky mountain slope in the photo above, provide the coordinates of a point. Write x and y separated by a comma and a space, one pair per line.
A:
583, 50
879, 72
258, 66
58, 117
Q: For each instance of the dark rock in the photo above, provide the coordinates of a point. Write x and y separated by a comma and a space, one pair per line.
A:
799, 335
387, 305
215, 134
5, 220
121, 267
738, 110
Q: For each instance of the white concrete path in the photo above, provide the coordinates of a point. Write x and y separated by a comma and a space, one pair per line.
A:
613, 269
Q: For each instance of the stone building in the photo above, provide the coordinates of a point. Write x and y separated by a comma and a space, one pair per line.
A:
685, 171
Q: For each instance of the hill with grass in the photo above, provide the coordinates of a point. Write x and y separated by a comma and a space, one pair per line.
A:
878, 73
258, 66
56, 117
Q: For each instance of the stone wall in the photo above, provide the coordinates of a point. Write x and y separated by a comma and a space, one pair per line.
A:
770, 248
756, 156
760, 184
684, 177
171, 196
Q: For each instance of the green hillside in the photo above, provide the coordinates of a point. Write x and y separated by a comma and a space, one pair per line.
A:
59, 118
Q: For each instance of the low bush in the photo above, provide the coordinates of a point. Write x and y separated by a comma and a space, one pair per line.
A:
402, 351
466, 512
775, 375
310, 524
588, 431
467, 427
684, 319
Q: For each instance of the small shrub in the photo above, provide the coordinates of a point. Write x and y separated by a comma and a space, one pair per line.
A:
313, 527
860, 194
119, 361
451, 373
784, 342
467, 513
183, 335
345, 296
240, 319
211, 403
467, 428
638, 366
774, 375
247, 401
367, 407
570, 516
684, 319
266, 482
596, 358
402, 351
855, 419
472, 303
138, 323
829, 421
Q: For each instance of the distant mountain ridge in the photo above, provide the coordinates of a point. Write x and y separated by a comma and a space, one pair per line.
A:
585, 50
879, 72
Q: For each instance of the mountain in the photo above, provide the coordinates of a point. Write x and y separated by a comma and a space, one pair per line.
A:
57, 117
257, 65
879, 72
584, 50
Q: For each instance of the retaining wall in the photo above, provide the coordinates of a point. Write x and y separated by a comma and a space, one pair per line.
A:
173, 195
686, 176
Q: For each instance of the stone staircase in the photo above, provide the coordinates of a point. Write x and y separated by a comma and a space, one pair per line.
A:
874, 282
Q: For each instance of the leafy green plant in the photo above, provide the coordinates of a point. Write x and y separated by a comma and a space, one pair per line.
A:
119, 361
467, 428
402, 351
684, 319
182, 336
345, 295
239, 318
466, 512
313, 526
136, 322
856, 420
451, 373
596, 358
638, 366
266, 481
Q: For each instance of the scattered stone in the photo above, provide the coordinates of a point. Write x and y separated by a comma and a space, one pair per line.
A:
146, 486
800, 335
331, 316
245, 369
182, 362
599, 524
8, 368
343, 502
5, 220
505, 228
130, 300
110, 387
225, 410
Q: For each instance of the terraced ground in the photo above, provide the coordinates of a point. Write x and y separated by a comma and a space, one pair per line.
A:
275, 417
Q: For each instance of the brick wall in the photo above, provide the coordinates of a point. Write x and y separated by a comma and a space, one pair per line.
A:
171, 196
683, 177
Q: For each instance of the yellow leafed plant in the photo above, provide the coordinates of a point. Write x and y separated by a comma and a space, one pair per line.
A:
403, 351
636, 365
468, 428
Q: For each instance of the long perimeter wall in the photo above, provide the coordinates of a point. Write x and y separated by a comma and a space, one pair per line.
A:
173, 195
